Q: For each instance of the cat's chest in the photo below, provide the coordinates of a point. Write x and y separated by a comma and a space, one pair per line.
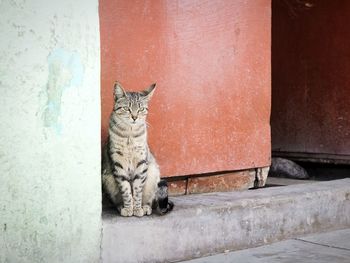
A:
132, 158
134, 152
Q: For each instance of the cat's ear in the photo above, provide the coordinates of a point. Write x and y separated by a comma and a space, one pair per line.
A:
147, 93
119, 92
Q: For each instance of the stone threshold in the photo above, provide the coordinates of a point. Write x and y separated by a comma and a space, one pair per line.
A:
205, 224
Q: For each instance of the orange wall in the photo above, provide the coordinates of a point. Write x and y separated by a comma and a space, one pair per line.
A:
211, 62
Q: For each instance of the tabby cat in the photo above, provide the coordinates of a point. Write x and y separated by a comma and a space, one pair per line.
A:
130, 174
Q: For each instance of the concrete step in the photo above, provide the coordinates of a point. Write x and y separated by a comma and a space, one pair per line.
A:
217, 222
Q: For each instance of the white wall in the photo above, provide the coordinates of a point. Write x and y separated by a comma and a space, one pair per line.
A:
50, 197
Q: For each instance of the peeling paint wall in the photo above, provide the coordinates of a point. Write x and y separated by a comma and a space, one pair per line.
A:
50, 203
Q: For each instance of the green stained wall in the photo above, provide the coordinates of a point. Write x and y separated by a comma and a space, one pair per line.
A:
50, 197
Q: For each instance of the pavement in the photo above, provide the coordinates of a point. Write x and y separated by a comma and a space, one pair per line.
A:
329, 247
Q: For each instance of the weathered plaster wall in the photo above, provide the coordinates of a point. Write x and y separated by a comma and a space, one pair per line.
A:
49, 131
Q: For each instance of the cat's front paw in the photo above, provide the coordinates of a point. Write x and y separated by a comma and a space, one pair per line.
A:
138, 212
147, 210
126, 211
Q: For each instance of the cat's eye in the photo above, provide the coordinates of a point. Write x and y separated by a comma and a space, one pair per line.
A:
126, 108
141, 109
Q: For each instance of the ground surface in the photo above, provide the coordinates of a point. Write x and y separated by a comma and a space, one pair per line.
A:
327, 247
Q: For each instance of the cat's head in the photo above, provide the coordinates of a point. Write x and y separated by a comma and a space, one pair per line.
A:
132, 107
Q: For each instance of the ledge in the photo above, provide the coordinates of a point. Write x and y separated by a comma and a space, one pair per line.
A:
205, 224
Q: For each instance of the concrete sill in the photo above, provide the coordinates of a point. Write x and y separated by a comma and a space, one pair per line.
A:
211, 223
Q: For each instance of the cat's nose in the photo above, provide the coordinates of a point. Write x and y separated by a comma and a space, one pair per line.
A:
134, 117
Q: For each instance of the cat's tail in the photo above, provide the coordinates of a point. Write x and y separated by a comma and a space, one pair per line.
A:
164, 205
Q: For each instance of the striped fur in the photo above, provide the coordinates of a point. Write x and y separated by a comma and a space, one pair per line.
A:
130, 174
